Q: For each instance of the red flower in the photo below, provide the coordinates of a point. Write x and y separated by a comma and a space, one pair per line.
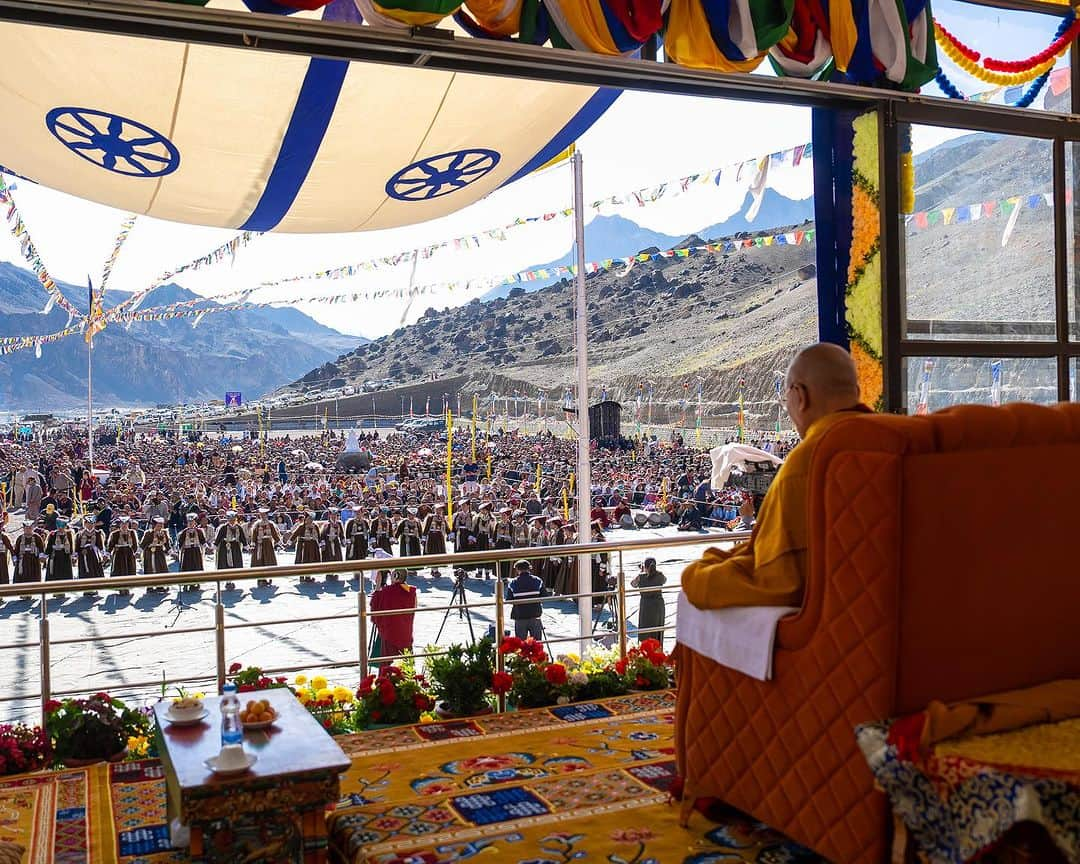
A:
555, 674
52, 705
510, 645
104, 697
376, 715
281, 679
236, 667
245, 688
641, 681
326, 723
620, 666
501, 682
420, 702
651, 646
387, 695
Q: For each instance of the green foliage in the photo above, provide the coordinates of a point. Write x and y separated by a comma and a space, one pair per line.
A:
461, 678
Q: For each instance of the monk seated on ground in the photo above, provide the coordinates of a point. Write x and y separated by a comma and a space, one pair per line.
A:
770, 570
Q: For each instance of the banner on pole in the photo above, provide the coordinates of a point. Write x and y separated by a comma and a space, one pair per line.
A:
233, 399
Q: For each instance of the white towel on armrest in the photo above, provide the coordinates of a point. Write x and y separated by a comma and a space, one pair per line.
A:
740, 637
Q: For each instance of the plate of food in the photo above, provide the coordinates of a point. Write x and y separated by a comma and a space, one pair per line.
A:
186, 711
257, 714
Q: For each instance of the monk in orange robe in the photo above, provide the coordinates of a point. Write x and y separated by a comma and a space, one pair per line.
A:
770, 570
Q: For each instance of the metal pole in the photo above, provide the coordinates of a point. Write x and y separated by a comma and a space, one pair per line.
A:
584, 479
45, 655
219, 639
500, 624
622, 609
90, 399
362, 625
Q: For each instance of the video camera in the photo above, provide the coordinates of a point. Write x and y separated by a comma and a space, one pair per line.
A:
756, 479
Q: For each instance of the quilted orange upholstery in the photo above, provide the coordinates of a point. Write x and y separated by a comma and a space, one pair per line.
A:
913, 593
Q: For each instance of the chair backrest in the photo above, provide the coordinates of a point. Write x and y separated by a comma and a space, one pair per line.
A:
957, 531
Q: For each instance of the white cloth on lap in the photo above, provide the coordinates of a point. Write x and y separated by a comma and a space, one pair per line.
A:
739, 637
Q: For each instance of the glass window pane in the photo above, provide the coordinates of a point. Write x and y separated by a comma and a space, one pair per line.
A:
1004, 34
934, 383
979, 247
1072, 245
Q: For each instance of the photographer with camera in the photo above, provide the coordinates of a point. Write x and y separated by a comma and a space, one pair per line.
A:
526, 616
651, 612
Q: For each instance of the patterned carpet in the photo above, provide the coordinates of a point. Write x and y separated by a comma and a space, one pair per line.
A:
581, 783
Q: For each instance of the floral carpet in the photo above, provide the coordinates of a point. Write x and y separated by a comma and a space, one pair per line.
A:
582, 782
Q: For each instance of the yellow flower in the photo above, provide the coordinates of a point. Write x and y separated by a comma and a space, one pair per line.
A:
200, 695
318, 682
138, 745
300, 680
303, 697
342, 694
324, 693
427, 717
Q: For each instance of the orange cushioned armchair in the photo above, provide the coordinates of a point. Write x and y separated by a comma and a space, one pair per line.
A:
943, 565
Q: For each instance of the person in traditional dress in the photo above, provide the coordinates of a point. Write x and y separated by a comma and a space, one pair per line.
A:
770, 569
306, 537
504, 539
29, 547
483, 530
33, 496
463, 527
155, 546
408, 534
382, 529
264, 538
122, 543
433, 530
59, 553
90, 551
357, 530
332, 537
562, 570
190, 541
229, 542
6, 546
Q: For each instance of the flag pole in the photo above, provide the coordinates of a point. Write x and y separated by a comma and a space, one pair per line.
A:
584, 480
90, 375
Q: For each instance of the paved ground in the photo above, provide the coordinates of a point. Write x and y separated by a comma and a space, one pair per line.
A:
128, 663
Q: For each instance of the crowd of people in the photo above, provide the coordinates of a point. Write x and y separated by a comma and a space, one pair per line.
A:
154, 502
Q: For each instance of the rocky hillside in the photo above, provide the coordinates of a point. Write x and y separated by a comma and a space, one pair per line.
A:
155, 361
717, 316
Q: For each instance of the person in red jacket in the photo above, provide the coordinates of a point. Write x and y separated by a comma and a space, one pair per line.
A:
393, 633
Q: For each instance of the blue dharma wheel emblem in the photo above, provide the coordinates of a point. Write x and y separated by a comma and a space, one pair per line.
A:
113, 142
440, 175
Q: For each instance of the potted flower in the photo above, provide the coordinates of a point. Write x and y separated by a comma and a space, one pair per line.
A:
250, 678
536, 681
602, 681
83, 731
461, 678
331, 705
646, 667
394, 697
23, 748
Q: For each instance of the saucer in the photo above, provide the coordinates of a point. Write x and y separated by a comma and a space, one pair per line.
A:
249, 760
186, 721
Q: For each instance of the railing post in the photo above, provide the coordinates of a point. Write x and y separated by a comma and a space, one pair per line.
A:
45, 656
219, 638
500, 623
362, 627
621, 588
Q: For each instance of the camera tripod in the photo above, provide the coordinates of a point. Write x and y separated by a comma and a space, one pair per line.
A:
458, 601
611, 604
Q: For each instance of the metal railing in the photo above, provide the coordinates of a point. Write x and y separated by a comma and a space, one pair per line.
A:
363, 616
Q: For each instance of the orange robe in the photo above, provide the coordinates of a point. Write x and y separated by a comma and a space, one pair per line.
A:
770, 569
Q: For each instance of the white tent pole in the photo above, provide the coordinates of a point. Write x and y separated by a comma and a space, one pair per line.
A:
584, 480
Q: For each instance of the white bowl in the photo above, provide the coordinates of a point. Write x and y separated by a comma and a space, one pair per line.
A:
188, 712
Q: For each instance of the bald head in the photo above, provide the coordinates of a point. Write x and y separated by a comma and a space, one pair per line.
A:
820, 380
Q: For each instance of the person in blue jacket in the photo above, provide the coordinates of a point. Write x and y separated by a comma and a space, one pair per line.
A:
526, 585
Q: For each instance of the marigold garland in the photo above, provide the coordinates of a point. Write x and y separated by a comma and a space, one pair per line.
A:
863, 293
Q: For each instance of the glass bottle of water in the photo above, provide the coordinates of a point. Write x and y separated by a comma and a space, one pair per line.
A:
232, 730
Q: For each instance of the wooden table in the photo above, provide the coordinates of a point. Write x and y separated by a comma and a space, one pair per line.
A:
278, 807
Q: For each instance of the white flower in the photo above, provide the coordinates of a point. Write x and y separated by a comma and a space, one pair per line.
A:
563, 700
